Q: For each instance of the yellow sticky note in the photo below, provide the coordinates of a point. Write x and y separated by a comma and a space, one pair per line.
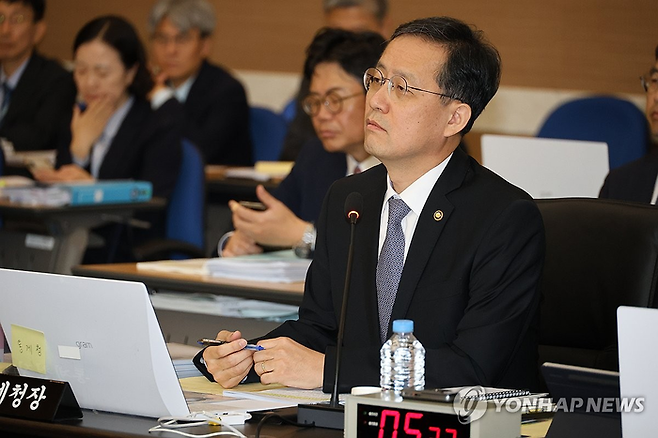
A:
28, 349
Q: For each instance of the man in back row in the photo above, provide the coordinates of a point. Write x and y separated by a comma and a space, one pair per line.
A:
638, 181
37, 94
216, 113
352, 15
441, 240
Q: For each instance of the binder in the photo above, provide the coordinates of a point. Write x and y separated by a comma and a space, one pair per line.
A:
82, 193
109, 192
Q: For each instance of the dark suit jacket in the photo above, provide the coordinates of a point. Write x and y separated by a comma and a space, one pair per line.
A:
470, 281
303, 190
217, 117
146, 147
40, 103
633, 181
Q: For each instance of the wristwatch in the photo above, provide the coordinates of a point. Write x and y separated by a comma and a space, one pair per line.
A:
305, 247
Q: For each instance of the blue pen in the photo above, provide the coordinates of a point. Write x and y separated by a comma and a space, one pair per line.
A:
208, 342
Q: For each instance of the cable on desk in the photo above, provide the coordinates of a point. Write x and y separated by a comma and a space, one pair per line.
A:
171, 425
268, 417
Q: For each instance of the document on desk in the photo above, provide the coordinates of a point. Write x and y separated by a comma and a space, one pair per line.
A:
294, 396
276, 266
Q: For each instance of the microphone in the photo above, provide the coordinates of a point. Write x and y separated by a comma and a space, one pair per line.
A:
353, 207
332, 415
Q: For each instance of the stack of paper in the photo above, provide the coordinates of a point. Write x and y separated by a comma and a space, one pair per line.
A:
276, 266
185, 368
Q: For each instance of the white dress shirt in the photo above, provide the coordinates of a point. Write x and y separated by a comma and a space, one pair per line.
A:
415, 197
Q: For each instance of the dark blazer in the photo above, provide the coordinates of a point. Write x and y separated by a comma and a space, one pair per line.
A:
633, 181
217, 117
470, 281
42, 100
303, 190
146, 147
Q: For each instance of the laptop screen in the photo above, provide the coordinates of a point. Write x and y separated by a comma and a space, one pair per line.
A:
548, 168
101, 336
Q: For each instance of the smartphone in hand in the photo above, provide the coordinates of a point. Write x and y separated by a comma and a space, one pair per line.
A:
258, 206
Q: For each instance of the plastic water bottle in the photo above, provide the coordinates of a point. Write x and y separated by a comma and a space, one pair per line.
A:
402, 359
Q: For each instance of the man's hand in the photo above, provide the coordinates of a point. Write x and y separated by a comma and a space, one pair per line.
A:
239, 244
276, 226
229, 363
289, 363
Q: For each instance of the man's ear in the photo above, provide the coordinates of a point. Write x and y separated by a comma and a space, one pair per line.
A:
39, 32
206, 47
461, 114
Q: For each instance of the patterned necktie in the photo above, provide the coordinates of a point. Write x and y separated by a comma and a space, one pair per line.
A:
6, 97
391, 262
357, 169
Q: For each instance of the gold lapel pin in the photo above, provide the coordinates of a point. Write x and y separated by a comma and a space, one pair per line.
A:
438, 215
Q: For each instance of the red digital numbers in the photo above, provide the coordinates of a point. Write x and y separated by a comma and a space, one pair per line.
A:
396, 422
452, 432
408, 429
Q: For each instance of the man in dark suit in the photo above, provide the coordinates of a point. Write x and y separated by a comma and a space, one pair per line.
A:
335, 103
637, 181
216, 114
468, 249
37, 93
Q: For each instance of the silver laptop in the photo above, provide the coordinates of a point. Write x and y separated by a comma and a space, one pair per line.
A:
548, 168
101, 336
638, 360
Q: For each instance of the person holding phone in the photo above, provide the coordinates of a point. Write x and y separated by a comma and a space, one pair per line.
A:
334, 66
114, 133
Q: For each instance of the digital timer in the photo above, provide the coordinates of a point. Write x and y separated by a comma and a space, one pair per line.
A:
379, 416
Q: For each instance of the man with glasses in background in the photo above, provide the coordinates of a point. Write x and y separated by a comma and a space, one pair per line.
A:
638, 180
37, 94
335, 103
440, 240
216, 114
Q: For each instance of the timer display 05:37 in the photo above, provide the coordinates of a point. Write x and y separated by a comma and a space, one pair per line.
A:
387, 422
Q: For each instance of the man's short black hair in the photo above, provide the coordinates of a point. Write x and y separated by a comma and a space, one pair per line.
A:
355, 52
471, 72
37, 6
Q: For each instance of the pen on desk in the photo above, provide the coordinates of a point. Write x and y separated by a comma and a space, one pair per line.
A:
208, 342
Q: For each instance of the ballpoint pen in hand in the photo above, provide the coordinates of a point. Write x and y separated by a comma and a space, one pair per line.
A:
208, 342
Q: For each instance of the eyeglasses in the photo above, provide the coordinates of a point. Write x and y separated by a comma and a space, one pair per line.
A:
179, 39
331, 100
373, 79
12, 19
650, 82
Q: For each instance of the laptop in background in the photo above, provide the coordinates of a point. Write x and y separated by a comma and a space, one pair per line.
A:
638, 361
101, 336
548, 168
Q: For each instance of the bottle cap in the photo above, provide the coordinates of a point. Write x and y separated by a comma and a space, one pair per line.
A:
403, 326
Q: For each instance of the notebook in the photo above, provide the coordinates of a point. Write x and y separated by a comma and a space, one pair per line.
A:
548, 168
102, 336
638, 362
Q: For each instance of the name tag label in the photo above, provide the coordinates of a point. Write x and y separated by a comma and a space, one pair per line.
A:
37, 399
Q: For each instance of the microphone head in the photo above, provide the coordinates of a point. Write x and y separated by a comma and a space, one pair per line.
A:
353, 207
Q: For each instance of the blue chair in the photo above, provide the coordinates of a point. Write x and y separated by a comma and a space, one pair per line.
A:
615, 121
289, 111
268, 130
185, 227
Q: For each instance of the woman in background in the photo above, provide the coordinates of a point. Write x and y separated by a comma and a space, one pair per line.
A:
114, 133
